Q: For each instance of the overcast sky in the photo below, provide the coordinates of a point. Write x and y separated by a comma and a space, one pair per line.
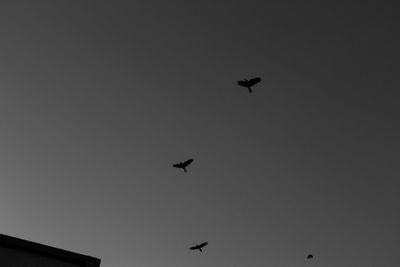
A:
99, 98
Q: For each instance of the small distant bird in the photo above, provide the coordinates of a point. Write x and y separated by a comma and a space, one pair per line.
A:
310, 256
183, 165
199, 247
249, 83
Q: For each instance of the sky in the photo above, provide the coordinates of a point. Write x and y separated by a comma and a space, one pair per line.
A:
99, 98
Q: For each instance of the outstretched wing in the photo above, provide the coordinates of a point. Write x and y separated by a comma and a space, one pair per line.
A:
194, 247
203, 244
178, 165
186, 163
254, 81
242, 83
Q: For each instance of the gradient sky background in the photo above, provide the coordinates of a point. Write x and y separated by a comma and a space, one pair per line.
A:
99, 98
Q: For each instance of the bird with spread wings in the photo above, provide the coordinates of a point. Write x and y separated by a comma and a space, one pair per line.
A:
183, 165
249, 83
199, 247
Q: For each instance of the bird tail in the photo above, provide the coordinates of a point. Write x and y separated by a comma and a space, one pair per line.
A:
184, 169
200, 250
249, 89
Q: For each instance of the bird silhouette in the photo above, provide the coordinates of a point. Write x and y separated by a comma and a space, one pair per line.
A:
183, 165
309, 256
199, 247
249, 83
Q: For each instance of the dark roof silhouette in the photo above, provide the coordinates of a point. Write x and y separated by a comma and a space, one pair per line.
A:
310, 256
183, 165
199, 247
19, 252
249, 83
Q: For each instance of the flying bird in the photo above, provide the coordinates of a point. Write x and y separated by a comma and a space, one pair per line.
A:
249, 83
183, 165
199, 247
309, 256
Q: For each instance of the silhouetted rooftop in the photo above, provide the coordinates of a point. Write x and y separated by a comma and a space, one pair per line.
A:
18, 252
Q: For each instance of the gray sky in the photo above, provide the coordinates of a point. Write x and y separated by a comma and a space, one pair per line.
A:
99, 99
